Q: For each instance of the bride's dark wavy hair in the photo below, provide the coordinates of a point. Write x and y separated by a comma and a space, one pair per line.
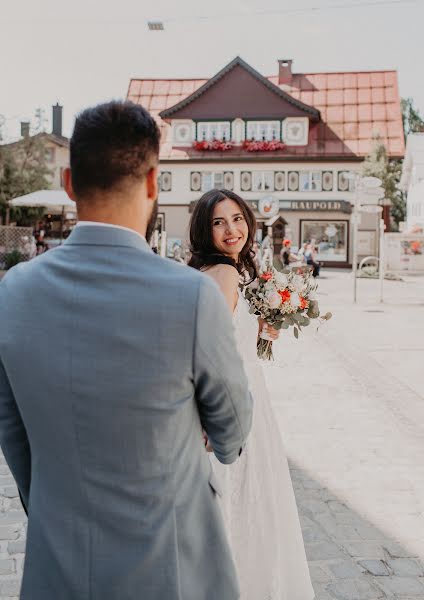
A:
203, 251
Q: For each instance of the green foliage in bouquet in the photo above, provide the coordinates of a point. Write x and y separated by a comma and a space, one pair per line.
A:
283, 300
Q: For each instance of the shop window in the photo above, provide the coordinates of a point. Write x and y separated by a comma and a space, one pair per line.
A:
212, 180
214, 130
261, 131
330, 239
263, 181
310, 181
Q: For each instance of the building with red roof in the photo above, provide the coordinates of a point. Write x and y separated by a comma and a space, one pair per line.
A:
291, 139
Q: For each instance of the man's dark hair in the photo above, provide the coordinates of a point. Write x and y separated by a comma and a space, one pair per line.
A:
111, 143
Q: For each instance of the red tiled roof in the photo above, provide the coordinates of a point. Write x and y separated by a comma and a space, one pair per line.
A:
353, 106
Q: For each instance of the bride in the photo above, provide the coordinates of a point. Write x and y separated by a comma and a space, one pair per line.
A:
258, 502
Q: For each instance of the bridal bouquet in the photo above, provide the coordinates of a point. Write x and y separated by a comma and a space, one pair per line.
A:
283, 299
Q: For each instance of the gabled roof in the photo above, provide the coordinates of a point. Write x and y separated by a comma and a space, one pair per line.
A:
313, 113
59, 140
353, 107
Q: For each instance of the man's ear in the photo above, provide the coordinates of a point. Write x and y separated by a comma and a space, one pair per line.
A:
152, 183
67, 183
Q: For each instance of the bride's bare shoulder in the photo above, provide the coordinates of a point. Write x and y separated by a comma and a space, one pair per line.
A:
227, 278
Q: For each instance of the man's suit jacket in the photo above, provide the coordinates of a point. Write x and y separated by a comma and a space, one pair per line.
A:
112, 360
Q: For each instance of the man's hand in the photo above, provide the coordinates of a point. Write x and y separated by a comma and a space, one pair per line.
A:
206, 440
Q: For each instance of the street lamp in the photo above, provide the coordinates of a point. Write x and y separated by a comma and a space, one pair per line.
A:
368, 192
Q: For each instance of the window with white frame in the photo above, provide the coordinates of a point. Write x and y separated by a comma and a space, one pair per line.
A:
212, 180
310, 181
263, 131
213, 130
262, 181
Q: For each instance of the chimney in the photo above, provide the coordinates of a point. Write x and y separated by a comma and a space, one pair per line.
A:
285, 71
57, 120
25, 129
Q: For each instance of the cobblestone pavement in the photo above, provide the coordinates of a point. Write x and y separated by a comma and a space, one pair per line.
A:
349, 402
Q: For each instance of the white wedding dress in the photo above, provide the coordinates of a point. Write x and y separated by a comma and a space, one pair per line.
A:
258, 502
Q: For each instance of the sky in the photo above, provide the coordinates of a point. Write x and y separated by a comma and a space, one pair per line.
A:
83, 52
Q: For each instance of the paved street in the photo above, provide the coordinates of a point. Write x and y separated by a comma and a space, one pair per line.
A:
350, 405
349, 401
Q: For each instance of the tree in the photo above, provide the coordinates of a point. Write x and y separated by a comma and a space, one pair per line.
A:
411, 118
378, 164
23, 169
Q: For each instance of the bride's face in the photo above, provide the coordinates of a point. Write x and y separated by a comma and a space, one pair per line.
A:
229, 228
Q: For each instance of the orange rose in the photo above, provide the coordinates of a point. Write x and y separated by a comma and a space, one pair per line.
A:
303, 303
266, 276
285, 295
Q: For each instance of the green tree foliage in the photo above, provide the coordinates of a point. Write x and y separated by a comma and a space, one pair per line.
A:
413, 122
23, 169
378, 164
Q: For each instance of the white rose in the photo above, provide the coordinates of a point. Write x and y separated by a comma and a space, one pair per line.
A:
295, 300
254, 285
270, 287
281, 280
298, 284
274, 299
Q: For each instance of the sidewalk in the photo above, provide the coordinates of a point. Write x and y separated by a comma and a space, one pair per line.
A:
350, 404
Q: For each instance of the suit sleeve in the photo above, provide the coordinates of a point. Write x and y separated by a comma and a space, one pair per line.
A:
13, 438
224, 402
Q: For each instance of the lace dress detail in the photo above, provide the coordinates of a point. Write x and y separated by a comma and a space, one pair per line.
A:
258, 502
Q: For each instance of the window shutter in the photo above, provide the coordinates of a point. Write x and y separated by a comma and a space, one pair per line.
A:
327, 181
195, 181
293, 181
229, 180
342, 181
246, 181
166, 181
279, 181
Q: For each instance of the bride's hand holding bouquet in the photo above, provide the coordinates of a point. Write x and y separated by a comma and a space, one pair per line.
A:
282, 300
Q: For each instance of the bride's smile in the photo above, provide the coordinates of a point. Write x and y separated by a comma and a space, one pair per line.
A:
229, 228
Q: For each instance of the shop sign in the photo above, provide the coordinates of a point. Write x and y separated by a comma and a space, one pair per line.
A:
316, 205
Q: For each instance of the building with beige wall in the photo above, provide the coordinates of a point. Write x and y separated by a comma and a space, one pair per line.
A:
289, 139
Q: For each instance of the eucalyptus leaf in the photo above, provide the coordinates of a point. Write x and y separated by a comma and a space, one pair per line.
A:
296, 333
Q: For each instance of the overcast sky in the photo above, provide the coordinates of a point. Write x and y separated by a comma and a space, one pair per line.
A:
83, 52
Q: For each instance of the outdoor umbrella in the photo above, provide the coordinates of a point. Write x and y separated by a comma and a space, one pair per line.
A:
56, 201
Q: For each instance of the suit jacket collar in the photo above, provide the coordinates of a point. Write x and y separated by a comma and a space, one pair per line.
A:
99, 235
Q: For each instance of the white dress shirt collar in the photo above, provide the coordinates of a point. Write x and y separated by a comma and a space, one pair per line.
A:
99, 224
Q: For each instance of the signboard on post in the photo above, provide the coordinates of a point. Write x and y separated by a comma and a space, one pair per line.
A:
269, 206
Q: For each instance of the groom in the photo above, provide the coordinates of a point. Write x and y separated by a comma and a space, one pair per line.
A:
112, 361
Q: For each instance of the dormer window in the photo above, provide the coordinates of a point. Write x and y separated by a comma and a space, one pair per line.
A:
207, 131
263, 131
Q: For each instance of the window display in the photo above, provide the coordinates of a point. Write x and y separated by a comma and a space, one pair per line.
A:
329, 237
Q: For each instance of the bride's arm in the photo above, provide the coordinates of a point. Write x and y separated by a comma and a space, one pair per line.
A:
227, 278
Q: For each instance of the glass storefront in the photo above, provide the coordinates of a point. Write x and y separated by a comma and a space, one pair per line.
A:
329, 237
